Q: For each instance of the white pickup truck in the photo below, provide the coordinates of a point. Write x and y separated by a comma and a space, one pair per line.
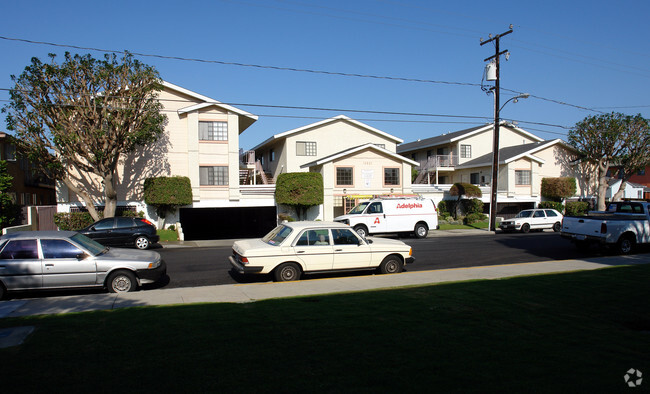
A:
624, 225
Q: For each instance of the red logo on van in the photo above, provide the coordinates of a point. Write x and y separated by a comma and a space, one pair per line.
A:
409, 206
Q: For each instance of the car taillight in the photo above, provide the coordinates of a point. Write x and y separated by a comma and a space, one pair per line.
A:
603, 228
145, 221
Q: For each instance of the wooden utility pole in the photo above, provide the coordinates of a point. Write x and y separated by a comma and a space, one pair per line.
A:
495, 144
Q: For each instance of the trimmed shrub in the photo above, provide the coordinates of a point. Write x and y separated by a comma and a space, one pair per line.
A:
558, 188
577, 208
167, 193
473, 205
300, 190
551, 205
474, 217
465, 189
73, 221
132, 214
443, 210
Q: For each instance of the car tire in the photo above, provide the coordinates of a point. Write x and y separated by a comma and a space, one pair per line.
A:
421, 230
625, 244
142, 242
525, 228
286, 272
3, 291
361, 230
121, 282
557, 227
391, 265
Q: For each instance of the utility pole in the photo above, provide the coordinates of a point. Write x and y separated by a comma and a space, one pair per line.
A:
495, 144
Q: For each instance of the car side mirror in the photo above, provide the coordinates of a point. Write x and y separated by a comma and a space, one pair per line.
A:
81, 256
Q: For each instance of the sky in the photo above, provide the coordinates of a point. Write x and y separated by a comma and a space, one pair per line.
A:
411, 68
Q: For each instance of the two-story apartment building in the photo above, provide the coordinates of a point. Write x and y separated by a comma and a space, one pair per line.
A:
466, 156
357, 161
201, 141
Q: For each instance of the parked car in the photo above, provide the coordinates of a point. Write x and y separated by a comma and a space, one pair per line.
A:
393, 215
294, 248
623, 226
123, 231
67, 259
533, 219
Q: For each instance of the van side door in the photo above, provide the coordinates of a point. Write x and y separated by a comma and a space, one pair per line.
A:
376, 218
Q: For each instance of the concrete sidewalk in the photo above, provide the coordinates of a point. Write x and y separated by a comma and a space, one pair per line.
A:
268, 290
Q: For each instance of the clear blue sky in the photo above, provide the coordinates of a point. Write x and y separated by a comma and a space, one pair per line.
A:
592, 54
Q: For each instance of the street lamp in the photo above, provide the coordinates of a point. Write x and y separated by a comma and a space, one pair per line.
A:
495, 157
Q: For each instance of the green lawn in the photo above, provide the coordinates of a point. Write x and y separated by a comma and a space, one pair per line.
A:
577, 332
446, 226
167, 235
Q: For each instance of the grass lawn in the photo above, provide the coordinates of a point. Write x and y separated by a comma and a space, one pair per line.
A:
167, 235
577, 332
446, 226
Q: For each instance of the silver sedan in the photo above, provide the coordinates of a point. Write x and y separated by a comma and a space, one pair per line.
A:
66, 259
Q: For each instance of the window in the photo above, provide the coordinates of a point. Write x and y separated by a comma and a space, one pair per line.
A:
344, 236
10, 152
474, 178
105, 224
539, 214
466, 151
550, 213
20, 250
522, 177
344, 176
391, 176
375, 207
314, 237
59, 249
122, 222
213, 131
271, 155
305, 148
641, 172
213, 176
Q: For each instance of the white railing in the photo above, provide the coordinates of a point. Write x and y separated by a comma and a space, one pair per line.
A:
439, 161
247, 157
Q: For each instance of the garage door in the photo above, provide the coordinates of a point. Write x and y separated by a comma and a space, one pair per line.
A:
227, 223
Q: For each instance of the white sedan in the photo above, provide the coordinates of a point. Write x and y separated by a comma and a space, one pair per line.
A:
294, 248
533, 219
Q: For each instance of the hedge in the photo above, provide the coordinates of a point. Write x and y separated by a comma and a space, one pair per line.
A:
558, 188
551, 205
577, 208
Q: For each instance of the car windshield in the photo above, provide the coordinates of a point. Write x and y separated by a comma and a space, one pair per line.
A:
358, 209
524, 214
277, 235
94, 247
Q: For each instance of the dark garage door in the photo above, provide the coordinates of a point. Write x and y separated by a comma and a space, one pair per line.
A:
227, 223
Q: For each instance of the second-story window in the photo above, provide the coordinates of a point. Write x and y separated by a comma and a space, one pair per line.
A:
522, 177
466, 151
213, 131
271, 155
213, 175
305, 148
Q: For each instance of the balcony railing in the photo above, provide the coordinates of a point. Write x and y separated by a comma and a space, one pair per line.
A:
247, 157
438, 161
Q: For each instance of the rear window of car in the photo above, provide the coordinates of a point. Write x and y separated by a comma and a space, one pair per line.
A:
121, 222
550, 213
22, 249
277, 235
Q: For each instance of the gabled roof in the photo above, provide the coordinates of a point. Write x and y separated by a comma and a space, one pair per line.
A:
359, 148
457, 136
512, 153
246, 118
614, 181
339, 118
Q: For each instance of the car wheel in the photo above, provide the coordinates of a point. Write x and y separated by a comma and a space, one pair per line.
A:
121, 282
391, 265
421, 230
557, 227
625, 244
3, 291
361, 230
287, 272
525, 228
142, 242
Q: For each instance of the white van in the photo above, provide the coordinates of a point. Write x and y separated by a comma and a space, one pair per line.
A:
392, 215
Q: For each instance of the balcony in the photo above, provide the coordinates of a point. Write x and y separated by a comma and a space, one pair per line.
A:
439, 162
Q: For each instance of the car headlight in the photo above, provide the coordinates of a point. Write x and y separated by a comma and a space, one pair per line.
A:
155, 264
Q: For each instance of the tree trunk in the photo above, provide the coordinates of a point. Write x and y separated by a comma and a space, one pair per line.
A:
111, 196
603, 166
621, 191
90, 204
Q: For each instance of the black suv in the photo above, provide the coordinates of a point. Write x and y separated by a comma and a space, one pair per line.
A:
123, 231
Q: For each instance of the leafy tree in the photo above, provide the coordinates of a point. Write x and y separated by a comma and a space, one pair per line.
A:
558, 189
76, 119
636, 152
607, 139
166, 194
8, 209
463, 189
300, 190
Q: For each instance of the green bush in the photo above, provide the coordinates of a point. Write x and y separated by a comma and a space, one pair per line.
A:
551, 205
73, 221
300, 190
474, 217
132, 214
473, 205
167, 193
576, 208
443, 210
558, 188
